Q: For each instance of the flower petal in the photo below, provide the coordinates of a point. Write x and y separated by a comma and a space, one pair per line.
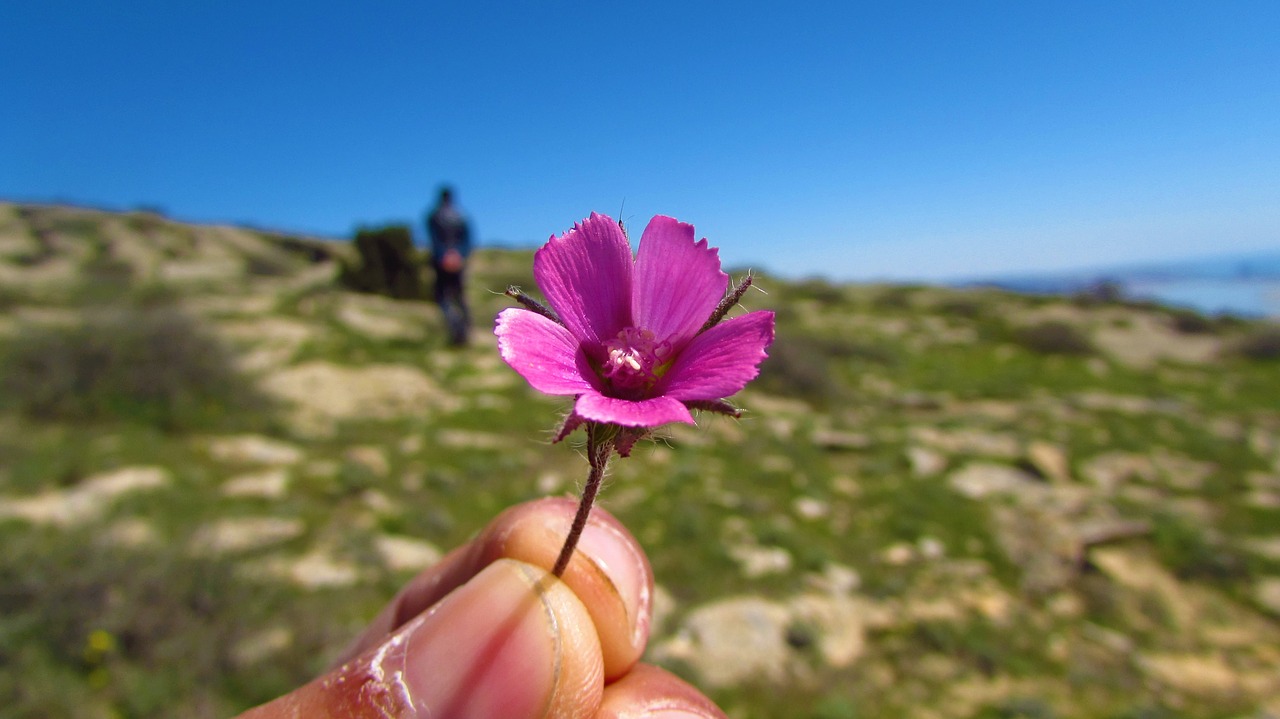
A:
586, 275
543, 352
644, 413
678, 282
720, 361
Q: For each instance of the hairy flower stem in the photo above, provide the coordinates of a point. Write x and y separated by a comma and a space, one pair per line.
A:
599, 447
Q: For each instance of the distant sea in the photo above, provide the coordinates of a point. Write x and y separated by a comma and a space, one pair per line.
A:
1251, 298
1246, 285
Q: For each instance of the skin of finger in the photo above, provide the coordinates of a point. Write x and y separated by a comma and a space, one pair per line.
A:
513, 642
651, 693
609, 572
425, 589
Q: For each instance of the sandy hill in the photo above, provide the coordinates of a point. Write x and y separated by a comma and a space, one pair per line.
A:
940, 503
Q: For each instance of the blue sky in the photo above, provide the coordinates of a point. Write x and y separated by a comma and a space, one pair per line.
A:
901, 140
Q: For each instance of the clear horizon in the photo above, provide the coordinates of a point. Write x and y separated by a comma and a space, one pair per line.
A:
922, 141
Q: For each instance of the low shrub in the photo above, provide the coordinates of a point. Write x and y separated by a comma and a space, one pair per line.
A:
798, 367
894, 297
1190, 322
142, 634
1261, 344
1103, 292
967, 307
388, 264
153, 365
267, 265
1054, 337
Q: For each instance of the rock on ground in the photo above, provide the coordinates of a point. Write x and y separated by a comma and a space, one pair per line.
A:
752, 640
87, 500
323, 393
253, 449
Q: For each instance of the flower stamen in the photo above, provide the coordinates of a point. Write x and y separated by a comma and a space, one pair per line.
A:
635, 359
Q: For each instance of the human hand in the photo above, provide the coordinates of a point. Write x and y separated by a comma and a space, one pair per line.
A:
489, 633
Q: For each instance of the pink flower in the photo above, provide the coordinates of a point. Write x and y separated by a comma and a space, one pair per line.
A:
631, 344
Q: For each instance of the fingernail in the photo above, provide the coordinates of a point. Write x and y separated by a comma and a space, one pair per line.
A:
488, 649
608, 572
605, 543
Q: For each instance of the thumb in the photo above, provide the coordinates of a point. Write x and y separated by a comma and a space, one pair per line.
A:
512, 642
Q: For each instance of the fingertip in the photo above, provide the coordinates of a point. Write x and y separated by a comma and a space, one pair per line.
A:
512, 642
608, 572
652, 693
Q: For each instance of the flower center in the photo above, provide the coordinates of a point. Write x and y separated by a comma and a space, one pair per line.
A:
635, 359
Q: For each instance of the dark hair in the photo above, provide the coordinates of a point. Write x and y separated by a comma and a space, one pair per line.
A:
446, 193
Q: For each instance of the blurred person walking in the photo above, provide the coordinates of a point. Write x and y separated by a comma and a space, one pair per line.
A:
450, 237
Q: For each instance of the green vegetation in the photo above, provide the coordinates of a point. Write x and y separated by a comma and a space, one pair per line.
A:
149, 365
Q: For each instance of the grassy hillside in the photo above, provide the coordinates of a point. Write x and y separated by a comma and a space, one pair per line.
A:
215, 466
